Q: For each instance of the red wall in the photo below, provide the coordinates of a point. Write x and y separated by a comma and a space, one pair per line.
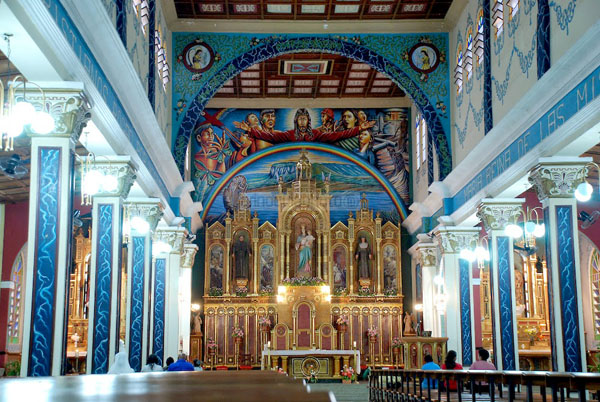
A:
14, 237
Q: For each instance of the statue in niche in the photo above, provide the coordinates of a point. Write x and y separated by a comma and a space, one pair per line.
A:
304, 244
241, 252
197, 323
363, 255
408, 324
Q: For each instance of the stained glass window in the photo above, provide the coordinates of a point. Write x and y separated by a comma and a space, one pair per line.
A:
160, 49
469, 53
595, 291
498, 16
458, 70
141, 11
421, 139
513, 7
479, 37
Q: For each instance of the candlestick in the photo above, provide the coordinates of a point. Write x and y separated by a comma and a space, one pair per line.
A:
269, 344
354, 343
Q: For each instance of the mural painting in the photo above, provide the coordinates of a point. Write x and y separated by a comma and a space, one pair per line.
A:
216, 267
225, 137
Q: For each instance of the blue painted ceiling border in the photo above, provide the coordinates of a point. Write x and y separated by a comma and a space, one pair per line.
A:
90, 64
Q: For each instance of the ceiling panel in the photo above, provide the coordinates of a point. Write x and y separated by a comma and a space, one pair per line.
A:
312, 9
310, 75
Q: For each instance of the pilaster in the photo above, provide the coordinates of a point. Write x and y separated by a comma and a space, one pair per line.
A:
555, 181
495, 215
427, 255
185, 293
50, 229
105, 268
458, 283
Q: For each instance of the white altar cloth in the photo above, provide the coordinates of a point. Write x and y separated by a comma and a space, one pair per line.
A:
311, 352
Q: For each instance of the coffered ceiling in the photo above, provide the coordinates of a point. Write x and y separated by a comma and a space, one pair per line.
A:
312, 9
310, 75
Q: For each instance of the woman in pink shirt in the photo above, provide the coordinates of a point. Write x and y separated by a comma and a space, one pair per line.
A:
482, 364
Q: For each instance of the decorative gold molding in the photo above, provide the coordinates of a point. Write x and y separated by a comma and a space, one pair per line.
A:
452, 239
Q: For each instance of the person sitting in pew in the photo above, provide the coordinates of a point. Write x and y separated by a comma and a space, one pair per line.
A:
482, 363
429, 365
451, 364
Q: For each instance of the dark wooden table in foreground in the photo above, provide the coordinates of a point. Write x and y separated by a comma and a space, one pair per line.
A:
248, 386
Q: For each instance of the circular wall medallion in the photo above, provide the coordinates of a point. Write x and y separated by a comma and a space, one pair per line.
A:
310, 365
198, 57
424, 57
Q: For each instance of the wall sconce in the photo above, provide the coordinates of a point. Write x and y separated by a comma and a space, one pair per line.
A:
158, 247
419, 307
584, 191
94, 181
532, 226
195, 307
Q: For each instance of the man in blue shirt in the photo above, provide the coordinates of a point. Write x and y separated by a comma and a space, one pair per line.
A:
181, 364
429, 365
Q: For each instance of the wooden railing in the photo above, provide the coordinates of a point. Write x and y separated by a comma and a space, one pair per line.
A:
480, 385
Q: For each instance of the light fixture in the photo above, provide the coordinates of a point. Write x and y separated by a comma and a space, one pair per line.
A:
159, 247
92, 182
584, 191
438, 280
482, 253
418, 307
42, 123
328, 298
540, 230
513, 230
529, 227
467, 254
195, 307
139, 225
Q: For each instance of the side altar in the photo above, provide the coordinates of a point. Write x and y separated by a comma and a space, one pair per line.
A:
302, 284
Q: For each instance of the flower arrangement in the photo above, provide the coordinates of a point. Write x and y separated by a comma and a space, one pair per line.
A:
533, 333
342, 320
372, 332
340, 291
303, 282
241, 291
264, 321
348, 373
215, 292
365, 291
211, 344
396, 342
237, 332
266, 290
390, 292
280, 371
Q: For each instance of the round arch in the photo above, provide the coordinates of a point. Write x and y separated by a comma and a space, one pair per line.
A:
278, 47
294, 146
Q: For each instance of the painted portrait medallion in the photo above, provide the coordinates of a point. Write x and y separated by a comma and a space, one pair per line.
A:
198, 57
424, 58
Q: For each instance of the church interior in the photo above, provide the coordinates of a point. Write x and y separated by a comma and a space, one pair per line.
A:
299, 197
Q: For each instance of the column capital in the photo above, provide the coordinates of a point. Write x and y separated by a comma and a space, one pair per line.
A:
68, 106
149, 209
496, 213
173, 236
188, 254
558, 177
120, 167
452, 239
427, 254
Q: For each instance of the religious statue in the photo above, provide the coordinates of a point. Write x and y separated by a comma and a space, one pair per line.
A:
197, 324
241, 252
363, 255
304, 244
408, 324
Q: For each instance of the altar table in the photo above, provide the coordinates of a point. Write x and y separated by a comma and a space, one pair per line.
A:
299, 359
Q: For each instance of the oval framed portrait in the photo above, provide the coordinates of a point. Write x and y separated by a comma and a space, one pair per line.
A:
424, 57
198, 57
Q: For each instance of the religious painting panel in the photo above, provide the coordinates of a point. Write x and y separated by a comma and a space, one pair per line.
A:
364, 257
390, 269
225, 137
216, 267
365, 325
267, 272
231, 321
340, 255
427, 349
326, 332
241, 258
385, 332
254, 346
375, 324
520, 305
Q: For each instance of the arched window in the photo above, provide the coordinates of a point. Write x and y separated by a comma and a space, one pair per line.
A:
141, 11
15, 303
513, 7
595, 291
458, 70
421, 139
498, 16
160, 49
469, 53
479, 37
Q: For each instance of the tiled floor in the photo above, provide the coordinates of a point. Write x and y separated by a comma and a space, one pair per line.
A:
345, 392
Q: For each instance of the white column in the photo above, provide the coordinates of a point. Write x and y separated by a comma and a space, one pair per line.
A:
555, 181
428, 252
496, 214
139, 272
50, 231
185, 291
459, 296
104, 315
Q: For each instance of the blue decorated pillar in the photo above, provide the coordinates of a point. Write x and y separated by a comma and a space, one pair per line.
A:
139, 267
496, 214
458, 283
555, 181
115, 176
166, 319
50, 231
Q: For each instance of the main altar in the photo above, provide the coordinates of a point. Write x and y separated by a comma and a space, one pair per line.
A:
303, 291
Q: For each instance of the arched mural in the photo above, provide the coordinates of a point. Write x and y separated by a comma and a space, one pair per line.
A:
389, 54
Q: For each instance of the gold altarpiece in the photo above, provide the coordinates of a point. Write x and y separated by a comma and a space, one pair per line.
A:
302, 317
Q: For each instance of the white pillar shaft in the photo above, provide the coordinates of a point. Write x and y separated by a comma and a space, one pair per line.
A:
428, 298
452, 316
185, 307
172, 307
